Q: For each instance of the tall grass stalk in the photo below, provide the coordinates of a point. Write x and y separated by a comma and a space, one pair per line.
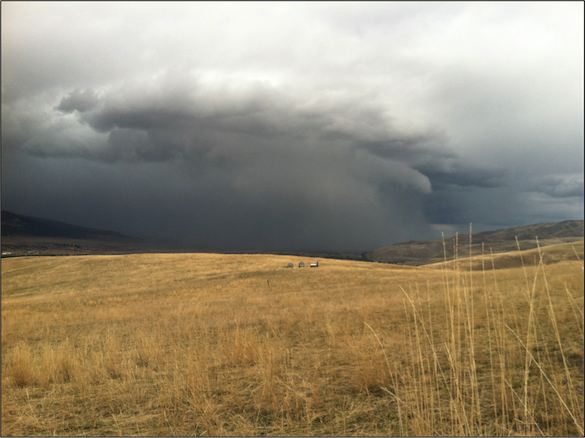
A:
511, 397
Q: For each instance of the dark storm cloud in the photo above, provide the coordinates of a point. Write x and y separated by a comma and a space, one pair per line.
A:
191, 122
78, 100
293, 173
258, 168
561, 186
455, 172
292, 126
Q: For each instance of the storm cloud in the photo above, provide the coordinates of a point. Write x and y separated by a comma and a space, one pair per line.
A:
292, 126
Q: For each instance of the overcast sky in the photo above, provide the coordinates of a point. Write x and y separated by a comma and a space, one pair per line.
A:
293, 125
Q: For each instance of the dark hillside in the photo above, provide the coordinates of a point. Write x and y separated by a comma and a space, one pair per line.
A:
28, 235
19, 225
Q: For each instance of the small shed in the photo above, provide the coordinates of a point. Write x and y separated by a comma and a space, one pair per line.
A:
314, 264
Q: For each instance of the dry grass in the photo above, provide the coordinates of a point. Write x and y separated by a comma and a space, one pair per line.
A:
554, 253
193, 344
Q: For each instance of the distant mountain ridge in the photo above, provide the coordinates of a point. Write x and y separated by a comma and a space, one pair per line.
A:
431, 251
20, 225
30, 235
568, 228
24, 235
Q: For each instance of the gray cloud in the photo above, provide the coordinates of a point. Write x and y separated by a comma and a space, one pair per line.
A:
78, 100
326, 126
560, 186
264, 169
458, 173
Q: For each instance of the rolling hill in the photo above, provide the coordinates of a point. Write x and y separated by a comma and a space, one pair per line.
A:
241, 345
423, 252
28, 235
553, 253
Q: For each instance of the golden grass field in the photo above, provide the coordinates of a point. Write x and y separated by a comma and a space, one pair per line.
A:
212, 344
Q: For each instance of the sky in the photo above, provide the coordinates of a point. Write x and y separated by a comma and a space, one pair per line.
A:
292, 125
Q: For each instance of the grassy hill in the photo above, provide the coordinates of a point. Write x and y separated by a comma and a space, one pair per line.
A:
217, 344
550, 254
423, 252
